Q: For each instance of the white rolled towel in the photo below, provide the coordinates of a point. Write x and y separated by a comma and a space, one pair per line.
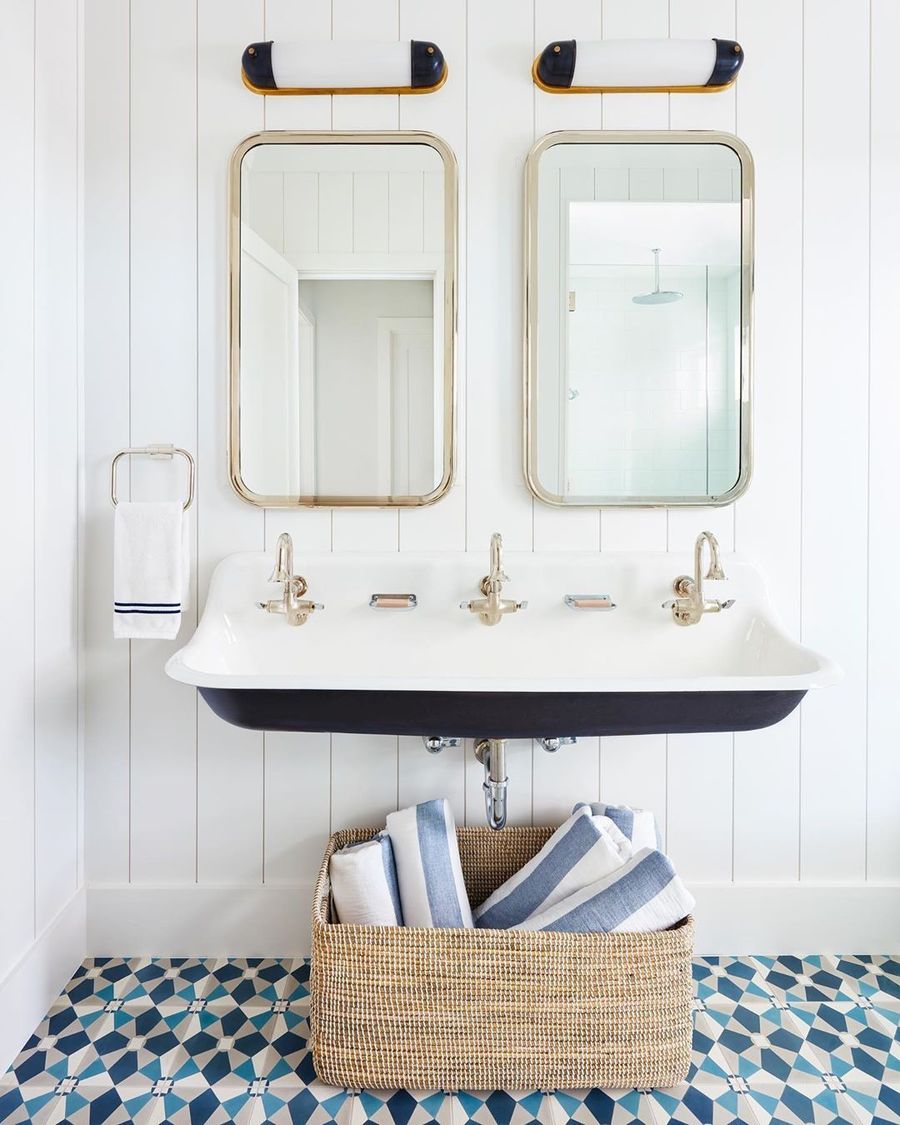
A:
432, 891
580, 851
364, 884
643, 894
637, 825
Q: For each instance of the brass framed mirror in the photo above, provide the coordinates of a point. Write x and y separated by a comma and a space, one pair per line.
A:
342, 287
639, 289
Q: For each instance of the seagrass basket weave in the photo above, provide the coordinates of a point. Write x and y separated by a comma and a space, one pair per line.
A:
427, 1009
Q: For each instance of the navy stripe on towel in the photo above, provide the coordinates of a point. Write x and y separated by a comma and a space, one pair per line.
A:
610, 907
525, 899
431, 828
147, 611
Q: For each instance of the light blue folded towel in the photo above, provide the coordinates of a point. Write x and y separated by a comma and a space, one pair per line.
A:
580, 851
637, 825
432, 891
643, 894
364, 884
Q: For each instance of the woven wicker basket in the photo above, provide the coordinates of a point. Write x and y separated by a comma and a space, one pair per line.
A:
402, 1007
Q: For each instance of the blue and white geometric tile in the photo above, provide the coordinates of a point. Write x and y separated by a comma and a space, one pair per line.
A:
803, 979
203, 1042
723, 980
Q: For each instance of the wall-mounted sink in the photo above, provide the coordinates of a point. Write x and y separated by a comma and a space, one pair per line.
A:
550, 670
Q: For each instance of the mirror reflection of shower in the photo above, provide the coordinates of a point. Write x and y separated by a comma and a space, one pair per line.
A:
658, 296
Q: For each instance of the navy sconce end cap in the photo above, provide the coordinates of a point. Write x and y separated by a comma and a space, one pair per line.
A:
729, 60
556, 64
256, 65
426, 64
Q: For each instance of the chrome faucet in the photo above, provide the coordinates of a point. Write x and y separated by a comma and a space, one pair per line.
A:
491, 609
291, 602
690, 605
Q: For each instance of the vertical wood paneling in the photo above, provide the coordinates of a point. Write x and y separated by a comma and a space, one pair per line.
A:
376, 529
883, 782
702, 19
700, 766
406, 211
767, 518
56, 456
288, 20
698, 806
163, 144
835, 402
364, 764
229, 761
423, 776
263, 806
501, 126
106, 421
17, 359
632, 774
297, 801
557, 529
573, 773
363, 779
335, 212
634, 529
442, 527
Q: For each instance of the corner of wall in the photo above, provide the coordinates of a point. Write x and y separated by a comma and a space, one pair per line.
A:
30, 987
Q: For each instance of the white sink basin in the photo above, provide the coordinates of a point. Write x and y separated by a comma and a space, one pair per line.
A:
545, 670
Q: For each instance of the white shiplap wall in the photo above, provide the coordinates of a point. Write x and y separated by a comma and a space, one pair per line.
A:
42, 930
186, 814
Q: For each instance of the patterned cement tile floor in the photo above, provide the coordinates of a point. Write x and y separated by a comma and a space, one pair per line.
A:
788, 1040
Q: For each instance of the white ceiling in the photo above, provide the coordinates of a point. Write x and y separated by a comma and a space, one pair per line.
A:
624, 233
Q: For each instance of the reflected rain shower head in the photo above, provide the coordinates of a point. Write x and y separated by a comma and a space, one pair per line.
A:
658, 296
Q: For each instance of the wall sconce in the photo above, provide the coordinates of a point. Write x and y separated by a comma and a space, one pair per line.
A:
633, 66
332, 67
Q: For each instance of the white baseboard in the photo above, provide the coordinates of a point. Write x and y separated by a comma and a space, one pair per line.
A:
771, 918
273, 921
199, 921
34, 982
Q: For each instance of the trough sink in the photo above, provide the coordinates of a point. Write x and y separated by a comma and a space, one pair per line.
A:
545, 671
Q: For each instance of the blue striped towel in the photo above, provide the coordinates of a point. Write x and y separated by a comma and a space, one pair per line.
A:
644, 894
432, 891
638, 825
581, 851
364, 884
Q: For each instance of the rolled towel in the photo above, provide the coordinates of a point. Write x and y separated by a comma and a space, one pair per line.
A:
644, 894
582, 850
637, 825
364, 884
432, 891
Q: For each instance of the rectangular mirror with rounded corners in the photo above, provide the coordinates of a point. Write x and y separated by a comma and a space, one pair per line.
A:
342, 319
638, 300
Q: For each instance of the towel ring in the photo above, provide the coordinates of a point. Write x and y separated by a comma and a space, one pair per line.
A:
165, 451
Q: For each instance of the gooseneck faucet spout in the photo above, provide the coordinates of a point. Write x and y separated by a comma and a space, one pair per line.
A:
492, 608
284, 559
291, 603
690, 605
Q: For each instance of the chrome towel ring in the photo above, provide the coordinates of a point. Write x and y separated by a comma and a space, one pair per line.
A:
166, 452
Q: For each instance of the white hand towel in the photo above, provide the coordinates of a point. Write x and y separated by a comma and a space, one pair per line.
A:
150, 569
644, 894
432, 891
580, 851
364, 884
637, 825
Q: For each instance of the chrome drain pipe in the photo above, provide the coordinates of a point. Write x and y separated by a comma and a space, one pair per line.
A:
491, 752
